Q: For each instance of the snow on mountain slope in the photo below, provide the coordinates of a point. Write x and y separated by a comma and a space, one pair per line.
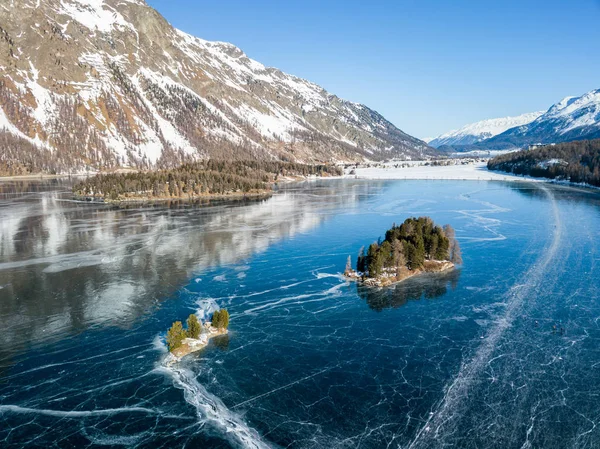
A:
485, 129
573, 118
102, 83
575, 113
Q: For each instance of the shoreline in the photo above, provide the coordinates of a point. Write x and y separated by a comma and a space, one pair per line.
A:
381, 171
44, 176
389, 280
192, 345
468, 172
458, 172
144, 200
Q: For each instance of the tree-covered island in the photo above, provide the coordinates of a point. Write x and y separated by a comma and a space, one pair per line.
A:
182, 342
199, 180
418, 245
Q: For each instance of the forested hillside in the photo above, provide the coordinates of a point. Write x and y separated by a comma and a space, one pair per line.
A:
572, 161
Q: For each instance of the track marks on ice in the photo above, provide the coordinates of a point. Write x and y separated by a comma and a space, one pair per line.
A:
439, 424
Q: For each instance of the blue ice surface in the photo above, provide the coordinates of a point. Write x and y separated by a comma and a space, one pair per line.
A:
502, 352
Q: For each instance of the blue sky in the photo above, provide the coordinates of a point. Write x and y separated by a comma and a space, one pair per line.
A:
427, 66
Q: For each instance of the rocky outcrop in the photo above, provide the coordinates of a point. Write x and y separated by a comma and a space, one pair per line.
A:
391, 276
191, 345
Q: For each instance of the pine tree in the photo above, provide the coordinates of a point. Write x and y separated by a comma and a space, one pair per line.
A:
386, 254
175, 336
220, 319
433, 246
361, 261
419, 257
224, 319
193, 326
410, 251
216, 319
374, 260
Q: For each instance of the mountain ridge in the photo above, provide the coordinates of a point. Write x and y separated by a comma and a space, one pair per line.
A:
570, 119
482, 130
106, 83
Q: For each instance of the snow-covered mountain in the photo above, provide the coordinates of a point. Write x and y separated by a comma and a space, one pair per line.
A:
573, 118
485, 129
102, 83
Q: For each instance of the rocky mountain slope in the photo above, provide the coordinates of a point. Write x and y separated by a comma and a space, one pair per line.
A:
485, 129
106, 83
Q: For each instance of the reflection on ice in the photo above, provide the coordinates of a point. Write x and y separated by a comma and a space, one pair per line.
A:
66, 266
429, 286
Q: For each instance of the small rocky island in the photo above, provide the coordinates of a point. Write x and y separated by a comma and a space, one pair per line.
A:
182, 342
416, 246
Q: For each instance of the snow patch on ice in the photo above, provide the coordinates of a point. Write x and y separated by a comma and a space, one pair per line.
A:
415, 170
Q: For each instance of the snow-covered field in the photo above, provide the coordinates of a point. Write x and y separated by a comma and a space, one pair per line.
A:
472, 172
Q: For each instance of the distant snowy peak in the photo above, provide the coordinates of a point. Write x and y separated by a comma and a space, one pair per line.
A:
485, 129
572, 118
578, 111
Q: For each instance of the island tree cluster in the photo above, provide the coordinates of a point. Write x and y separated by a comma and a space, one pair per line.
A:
220, 319
177, 334
408, 247
571, 161
211, 177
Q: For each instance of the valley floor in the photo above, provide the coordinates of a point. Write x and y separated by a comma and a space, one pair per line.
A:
472, 172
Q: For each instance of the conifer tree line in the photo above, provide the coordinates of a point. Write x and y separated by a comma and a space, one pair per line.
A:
200, 178
409, 246
577, 161
176, 334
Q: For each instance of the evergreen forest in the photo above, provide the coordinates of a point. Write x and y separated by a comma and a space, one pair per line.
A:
409, 246
206, 178
577, 162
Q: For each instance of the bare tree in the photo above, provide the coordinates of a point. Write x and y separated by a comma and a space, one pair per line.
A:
454, 252
348, 265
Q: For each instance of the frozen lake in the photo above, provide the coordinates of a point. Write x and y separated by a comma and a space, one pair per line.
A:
466, 359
